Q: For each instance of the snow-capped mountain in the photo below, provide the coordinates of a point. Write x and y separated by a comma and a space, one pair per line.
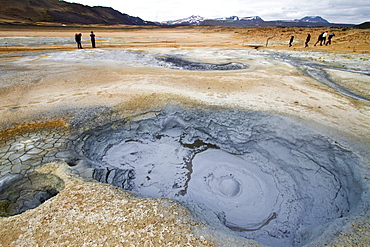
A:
192, 20
196, 20
252, 21
231, 18
234, 21
251, 18
313, 19
236, 18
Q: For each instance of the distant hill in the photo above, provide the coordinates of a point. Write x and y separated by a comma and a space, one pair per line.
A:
192, 20
256, 21
313, 19
234, 21
365, 25
62, 12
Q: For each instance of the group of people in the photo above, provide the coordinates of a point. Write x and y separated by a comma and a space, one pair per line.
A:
78, 38
321, 39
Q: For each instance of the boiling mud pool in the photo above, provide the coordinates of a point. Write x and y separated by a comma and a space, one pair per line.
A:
264, 176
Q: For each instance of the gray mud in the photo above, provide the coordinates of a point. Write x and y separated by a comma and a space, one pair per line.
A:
264, 176
317, 71
22, 193
177, 62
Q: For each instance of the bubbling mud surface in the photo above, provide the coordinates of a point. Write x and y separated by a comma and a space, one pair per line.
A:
265, 176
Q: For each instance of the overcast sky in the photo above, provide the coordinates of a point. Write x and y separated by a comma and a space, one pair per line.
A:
335, 11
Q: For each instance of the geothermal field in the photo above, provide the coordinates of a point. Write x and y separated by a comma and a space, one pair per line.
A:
184, 137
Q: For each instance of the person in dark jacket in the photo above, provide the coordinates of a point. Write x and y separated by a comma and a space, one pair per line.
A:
307, 40
291, 40
92, 36
78, 37
320, 39
329, 38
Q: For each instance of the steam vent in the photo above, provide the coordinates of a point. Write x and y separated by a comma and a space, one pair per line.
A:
167, 146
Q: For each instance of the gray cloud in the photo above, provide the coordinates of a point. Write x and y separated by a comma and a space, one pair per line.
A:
336, 11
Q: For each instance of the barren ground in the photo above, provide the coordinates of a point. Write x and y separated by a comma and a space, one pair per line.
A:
273, 90
38, 93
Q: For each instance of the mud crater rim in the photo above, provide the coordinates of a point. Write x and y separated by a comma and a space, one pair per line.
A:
264, 176
23, 192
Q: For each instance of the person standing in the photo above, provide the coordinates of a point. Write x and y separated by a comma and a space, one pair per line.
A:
319, 39
329, 38
78, 37
324, 35
307, 40
291, 41
92, 36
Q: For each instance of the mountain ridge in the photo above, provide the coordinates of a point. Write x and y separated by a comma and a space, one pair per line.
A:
64, 12
312, 19
254, 21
